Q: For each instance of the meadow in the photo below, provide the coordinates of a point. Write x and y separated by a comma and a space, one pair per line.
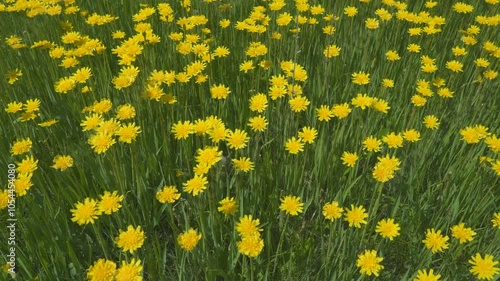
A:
250, 140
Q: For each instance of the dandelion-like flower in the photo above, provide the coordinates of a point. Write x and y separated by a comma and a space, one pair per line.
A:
237, 139
110, 202
423, 275
435, 241
189, 239
484, 268
360, 78
462, 233
387, 228
131, 239
294, 145
21, 146
496, 220
196, 185
356, 216
102, 270
168, 194
228, 206
243, 164
129, 271
62, 162
251, 245
369, 263
86, 212
332, 211
291, 205
248, 226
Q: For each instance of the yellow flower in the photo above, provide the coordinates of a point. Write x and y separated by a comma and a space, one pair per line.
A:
388, 83
27, 165
182, 130
350, 11
125, 111
372, 144
372, 23
62, 162
454, 66
85, 212
392, 55
13, 76
196, 185
128, 132
341, 111
14, 107
258, 123
129, 271
189, 239
21, 146
392, 140
100, 143
219, 91
361, 78
228, 206
422, 275
298, 103
291, 205
294, 145
484, 268
369, 263
243, 164
387, 228
496, 220
308, 134
247, 66
258, 102
248, 226
102, 270
463, 8
251, 245
323, 113
356, 216
131, 239
414, 48
435, 241
332, 211
168, 194
4, 199
349, 159
237, 139
331, 51
431, 122
110, 202
411, 135
82, 75
91, 122
462, 233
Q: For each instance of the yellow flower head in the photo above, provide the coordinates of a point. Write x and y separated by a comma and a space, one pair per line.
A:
369, 263
291, 205
387, 228
189, 239
356, 216
228, 206
332, 211
85, 212
131, 239
435, 241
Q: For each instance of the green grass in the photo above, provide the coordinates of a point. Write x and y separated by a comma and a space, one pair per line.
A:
440, 182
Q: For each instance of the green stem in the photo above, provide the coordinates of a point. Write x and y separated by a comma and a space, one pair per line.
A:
280, 242
101, 240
